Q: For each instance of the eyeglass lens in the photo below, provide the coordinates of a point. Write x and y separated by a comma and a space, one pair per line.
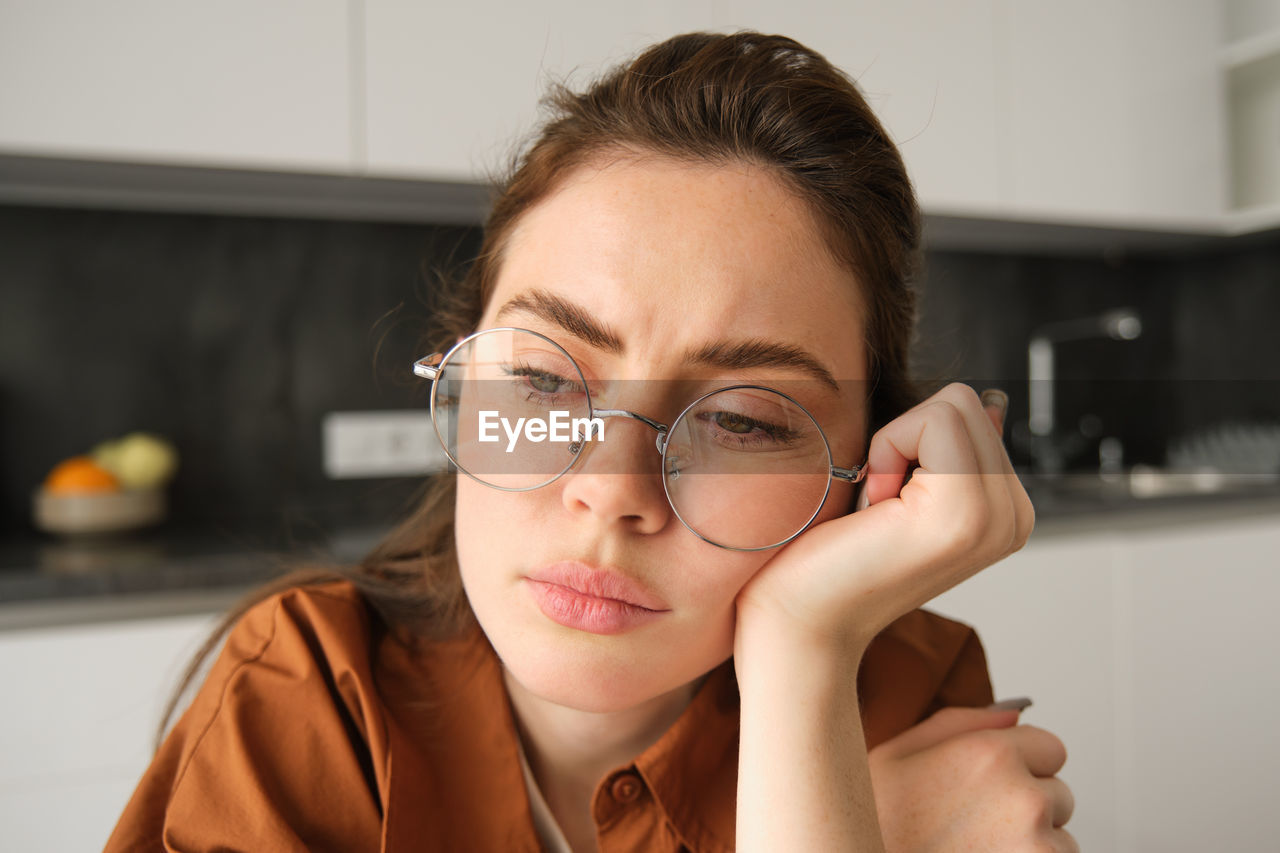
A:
744, 468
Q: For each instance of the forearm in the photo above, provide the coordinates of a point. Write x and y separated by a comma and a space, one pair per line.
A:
803, 777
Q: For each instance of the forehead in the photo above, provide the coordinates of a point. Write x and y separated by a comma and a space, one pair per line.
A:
673, 254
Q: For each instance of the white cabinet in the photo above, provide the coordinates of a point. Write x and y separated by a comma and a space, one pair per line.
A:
451, 87
1152, 653
928, 68
1114, 110
231, 83
1251, 68
81, 705
451, 90
1102, 112
1098, 111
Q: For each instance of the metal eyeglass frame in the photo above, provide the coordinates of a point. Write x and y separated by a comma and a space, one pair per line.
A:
430, 367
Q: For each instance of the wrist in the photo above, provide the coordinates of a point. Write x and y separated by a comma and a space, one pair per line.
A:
772, 650
763, 629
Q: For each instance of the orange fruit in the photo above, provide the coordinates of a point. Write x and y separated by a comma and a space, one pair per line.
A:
80, 475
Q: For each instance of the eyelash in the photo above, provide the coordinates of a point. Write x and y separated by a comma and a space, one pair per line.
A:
532, 372
772, 432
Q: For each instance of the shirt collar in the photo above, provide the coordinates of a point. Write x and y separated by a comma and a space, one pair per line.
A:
460, 710
692, 769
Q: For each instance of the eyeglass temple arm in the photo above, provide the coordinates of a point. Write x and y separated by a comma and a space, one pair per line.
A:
849, 475
428, 367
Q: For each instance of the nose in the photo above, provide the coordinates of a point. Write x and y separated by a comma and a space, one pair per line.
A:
618, 480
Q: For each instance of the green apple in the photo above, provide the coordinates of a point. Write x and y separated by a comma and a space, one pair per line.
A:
140, 460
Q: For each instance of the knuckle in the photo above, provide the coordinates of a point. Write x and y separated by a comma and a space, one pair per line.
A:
1025, 513
1050, 743
962, 396
1060, 750
946, 410
1068, 799
1031, 806
987, 751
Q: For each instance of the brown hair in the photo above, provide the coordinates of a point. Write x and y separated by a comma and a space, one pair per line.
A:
702, 98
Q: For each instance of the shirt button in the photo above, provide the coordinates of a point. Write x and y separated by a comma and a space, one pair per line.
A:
626, 787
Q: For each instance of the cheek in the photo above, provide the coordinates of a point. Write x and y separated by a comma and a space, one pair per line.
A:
482, 525
715, 581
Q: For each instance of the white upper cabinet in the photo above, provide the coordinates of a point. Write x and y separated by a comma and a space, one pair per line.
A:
1113, 110
928, 70
1097, 111
229, 83
1251, 67
452, 87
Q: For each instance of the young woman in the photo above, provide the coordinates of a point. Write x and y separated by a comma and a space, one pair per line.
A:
680, 634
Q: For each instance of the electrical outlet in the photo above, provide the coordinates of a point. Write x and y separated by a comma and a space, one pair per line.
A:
381, 444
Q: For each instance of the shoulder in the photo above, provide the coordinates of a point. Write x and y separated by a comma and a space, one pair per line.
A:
921, 662
315, 622
290, 700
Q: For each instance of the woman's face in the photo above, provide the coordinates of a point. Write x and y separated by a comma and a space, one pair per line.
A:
631, 265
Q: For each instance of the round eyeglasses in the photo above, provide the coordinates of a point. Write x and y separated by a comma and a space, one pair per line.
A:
744, 467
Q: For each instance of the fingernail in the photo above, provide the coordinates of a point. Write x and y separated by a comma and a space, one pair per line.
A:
1018, 704
997, 398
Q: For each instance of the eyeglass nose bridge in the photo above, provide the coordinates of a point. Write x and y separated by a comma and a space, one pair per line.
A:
660, 440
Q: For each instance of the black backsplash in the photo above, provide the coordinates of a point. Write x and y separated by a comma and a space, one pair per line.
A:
233, 336
1208, 353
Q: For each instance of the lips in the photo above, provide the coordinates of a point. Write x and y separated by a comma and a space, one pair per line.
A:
598, 583
598, 601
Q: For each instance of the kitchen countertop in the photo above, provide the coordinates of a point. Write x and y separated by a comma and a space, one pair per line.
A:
159, 572
45, 581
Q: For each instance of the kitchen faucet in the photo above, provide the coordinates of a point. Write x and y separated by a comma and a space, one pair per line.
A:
1120, 324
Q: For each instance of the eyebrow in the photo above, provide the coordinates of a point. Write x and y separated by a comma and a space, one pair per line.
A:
727, 355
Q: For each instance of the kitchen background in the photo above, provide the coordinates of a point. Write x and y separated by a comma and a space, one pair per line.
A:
234, 336
222, 223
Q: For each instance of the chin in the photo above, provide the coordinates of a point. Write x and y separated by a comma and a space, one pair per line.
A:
589, 673
601, 674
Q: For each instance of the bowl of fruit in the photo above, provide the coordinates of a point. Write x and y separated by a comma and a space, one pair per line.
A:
118, 486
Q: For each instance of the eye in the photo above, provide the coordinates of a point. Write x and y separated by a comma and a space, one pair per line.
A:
543, 383
547, 383
735, 423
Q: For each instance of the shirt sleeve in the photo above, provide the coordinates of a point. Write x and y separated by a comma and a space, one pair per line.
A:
274, 751
967, 682
921, 662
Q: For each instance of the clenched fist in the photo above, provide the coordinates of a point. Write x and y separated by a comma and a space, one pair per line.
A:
972, 779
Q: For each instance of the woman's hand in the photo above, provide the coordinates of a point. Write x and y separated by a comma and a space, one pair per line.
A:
841, 582
807, 616
970, 779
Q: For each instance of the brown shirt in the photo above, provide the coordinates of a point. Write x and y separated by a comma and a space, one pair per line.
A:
316, 731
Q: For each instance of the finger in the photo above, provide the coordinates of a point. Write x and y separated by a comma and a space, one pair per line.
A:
1009, 522
1042, 751
987, 443
1064, 841
1002, 483
996, 404
944, 724
933, 434
1062, 801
